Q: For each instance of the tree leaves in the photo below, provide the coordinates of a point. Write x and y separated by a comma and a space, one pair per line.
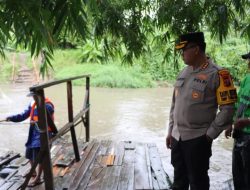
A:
42, 24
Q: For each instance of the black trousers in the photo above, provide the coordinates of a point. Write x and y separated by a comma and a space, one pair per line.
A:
190, 160
241, 163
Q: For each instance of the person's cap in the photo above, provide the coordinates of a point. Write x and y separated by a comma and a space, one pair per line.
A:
246, 56
196, 37
31, 94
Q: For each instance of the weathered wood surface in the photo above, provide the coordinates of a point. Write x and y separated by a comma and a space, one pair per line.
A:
104, 165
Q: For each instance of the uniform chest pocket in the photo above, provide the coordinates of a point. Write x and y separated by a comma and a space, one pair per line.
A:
178, 84
198, 92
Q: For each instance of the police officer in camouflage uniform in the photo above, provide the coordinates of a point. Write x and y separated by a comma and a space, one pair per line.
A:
201, 88
241, 134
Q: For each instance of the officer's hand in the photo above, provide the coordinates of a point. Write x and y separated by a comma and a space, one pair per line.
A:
7, 119
169, 141
228, 132
241, 123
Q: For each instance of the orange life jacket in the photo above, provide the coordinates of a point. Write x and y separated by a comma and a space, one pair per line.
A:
35, 117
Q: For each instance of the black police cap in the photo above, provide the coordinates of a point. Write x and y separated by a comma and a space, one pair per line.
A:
196, 37
246, 56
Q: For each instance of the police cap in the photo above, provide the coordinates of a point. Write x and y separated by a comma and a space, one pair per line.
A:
246, 56
196, 37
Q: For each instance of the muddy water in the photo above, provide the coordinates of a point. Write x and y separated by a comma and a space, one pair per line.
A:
117, 114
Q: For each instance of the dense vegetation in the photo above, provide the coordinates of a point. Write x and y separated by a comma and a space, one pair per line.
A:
115, 34
123, 27
149, 70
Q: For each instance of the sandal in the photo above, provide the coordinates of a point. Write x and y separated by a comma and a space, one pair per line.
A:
35, 183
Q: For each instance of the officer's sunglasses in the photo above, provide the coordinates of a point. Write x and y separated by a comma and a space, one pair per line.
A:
186, 48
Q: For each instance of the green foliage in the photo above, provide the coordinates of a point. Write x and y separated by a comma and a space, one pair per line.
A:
6, 67
92, 53
112, 75
38, 24
179, 16
228, 55
129, 24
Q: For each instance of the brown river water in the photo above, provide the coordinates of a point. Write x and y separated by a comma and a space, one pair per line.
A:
117, 114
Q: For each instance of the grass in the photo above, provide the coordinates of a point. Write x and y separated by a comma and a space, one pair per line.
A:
111, 75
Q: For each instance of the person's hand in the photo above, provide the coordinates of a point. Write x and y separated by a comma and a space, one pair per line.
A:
241, 123
228, 132
7, 119
169, 141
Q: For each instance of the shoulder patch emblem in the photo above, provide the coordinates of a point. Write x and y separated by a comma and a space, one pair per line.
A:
195, 95
226, 92
226, 78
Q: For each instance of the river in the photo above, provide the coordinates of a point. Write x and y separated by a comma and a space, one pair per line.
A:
116, 114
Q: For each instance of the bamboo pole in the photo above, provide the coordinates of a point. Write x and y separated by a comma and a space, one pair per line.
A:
13, 67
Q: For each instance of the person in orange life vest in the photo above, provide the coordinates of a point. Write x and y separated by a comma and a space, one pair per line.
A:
33, 142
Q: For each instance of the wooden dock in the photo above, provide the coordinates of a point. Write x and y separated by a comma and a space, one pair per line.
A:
104, 165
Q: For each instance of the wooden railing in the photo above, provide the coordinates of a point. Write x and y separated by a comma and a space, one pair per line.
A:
83, 116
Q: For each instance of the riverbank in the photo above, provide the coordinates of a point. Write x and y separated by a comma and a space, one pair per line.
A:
69, 63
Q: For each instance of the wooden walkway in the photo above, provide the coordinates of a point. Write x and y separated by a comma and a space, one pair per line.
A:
104, 165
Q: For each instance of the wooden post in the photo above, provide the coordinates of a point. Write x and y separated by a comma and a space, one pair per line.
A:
14, 67
87, 131
71, 116
34, 62
44, 138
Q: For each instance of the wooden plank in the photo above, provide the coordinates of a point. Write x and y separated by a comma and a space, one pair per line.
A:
111, 178
136, 166
84, 166
59, 182
110, 160
16, 185
141, 170
86, 179
56, 171
65, 161
119, 154
96, 179
129, 145
7, 185
103, 160
67, 178
155, 182
157, 168
54, 150
11, 175
126, 180
64, 171
148, 166
9, 158
18, 162
82, 147
6, 171
22, 171
104, 147
55, 82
